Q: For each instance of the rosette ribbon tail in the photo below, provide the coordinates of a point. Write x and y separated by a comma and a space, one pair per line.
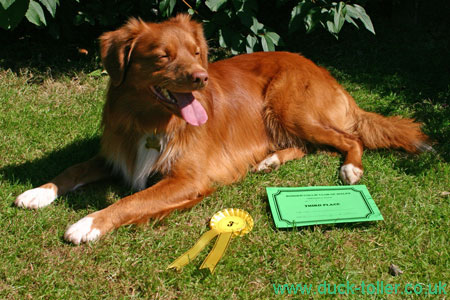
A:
192, 253
217, 251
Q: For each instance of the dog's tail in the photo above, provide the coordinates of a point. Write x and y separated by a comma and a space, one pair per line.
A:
376, 131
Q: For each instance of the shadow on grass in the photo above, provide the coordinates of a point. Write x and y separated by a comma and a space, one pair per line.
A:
41, 170
412, 164
42, 57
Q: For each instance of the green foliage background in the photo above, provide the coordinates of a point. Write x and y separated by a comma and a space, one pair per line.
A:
239, 25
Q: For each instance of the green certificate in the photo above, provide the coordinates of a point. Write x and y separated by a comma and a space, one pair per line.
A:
305, 206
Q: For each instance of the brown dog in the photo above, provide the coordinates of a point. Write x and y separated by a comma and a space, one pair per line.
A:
168, 111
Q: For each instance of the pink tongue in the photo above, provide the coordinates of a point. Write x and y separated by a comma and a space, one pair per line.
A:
191, 110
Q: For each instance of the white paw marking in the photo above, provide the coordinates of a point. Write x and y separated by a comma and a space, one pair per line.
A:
271, 162
82, 232
350, 174
36, 198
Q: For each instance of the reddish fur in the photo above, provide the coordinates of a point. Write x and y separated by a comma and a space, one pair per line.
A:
257, 104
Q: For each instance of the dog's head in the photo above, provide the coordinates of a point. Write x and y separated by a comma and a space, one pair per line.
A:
170, 59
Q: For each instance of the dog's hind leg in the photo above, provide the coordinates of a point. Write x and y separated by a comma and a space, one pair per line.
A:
276, 159
351, 146
70, 179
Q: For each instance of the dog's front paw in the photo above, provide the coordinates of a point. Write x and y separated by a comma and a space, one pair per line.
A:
36, 198
82, 231
268, 164
350, 174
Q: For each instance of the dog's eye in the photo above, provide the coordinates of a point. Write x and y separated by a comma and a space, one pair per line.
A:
164, 57
197, 53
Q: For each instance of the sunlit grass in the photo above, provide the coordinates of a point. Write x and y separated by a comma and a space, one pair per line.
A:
47, 126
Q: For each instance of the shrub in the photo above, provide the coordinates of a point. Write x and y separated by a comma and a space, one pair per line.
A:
13, 11
239, 25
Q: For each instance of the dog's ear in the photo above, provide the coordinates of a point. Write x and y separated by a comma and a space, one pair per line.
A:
116, 48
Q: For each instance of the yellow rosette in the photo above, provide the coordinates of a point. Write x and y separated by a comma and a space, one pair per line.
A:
225, 223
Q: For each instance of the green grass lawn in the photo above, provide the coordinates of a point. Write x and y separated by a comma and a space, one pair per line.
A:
50, 122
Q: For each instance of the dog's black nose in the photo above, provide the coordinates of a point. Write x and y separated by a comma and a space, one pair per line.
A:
200, 77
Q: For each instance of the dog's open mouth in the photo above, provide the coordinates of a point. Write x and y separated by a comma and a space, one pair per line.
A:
190, 108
